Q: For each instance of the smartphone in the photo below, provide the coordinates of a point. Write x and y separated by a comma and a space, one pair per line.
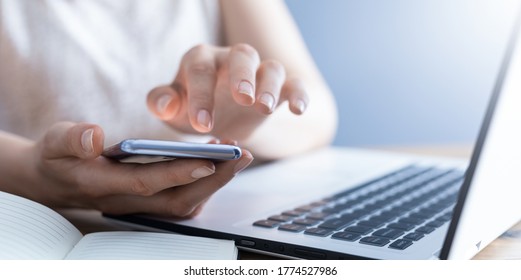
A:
147, 151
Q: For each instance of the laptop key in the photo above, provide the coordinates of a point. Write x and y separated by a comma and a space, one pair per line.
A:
337, 208
400, 244
373, 206
359, 213
445, 217
389, 233
374, 241
306, 222
392, 213
336, 224
281, 218
429, 211
374, 223
266, 223
359, 229
425, 229
401, 226
435, 224
319, 203
414, 221
292, 213
292, 227
384, 218
306, 208
347, 236
415, 236
322, 232
419, 216
318, 215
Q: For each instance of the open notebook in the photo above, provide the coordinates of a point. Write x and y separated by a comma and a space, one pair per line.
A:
29, 230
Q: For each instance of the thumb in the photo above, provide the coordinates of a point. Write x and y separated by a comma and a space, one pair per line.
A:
67, 139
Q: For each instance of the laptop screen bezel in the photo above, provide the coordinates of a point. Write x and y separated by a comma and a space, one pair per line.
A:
482, 137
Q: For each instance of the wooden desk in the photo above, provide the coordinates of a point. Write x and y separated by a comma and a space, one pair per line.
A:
507, 246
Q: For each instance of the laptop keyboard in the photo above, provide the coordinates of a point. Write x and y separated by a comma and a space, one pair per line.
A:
395, 210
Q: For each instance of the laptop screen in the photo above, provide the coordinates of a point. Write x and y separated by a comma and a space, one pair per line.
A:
488, 203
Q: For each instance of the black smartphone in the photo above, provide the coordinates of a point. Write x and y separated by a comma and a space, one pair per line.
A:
147, 151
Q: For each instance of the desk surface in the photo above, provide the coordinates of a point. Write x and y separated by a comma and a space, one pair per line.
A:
507, 246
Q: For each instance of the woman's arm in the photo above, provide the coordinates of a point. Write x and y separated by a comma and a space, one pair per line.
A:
268, 27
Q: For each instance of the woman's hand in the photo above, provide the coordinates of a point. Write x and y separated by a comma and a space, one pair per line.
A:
68, 171
226, 92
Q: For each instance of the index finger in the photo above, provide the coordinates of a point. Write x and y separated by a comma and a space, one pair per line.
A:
243, 63
182, 201
200, 76
102, 176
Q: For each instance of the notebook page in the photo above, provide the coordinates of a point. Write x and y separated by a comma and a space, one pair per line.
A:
130, 245
29, 230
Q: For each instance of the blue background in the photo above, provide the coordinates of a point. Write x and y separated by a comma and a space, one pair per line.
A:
407, 72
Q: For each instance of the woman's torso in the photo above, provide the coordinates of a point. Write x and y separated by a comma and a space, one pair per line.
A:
94, 61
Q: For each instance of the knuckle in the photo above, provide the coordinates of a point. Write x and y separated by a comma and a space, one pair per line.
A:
294, 87
244, 73
173, 178
178, 208
197, 51
45, 145
140, 187
220, 180
199, 99
296, 83
199, 68
81, 184
194, 213
87, 190
246, 49
273, 65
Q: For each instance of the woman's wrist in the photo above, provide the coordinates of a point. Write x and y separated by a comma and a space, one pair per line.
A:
17, 168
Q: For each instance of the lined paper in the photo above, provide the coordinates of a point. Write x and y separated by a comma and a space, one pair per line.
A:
29, 230
146, 245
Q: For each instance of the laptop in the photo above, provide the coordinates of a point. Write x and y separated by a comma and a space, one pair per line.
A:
345, 203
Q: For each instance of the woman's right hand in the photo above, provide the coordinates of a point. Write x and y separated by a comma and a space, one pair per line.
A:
69, 171
226, 92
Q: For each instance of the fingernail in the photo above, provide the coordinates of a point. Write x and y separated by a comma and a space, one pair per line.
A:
202, 172
243, 163
162, 103
86, 141
247, 89
204, 119
300, 105
268, 100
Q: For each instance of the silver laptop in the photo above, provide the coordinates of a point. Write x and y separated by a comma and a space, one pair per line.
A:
341, 203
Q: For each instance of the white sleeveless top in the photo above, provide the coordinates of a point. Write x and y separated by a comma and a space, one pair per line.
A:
95, 61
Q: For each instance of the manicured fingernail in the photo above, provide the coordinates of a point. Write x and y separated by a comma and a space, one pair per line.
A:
300, 105
204, 119
247, 89
162, 103
243, 163
268, 100
202, 172
86, 141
